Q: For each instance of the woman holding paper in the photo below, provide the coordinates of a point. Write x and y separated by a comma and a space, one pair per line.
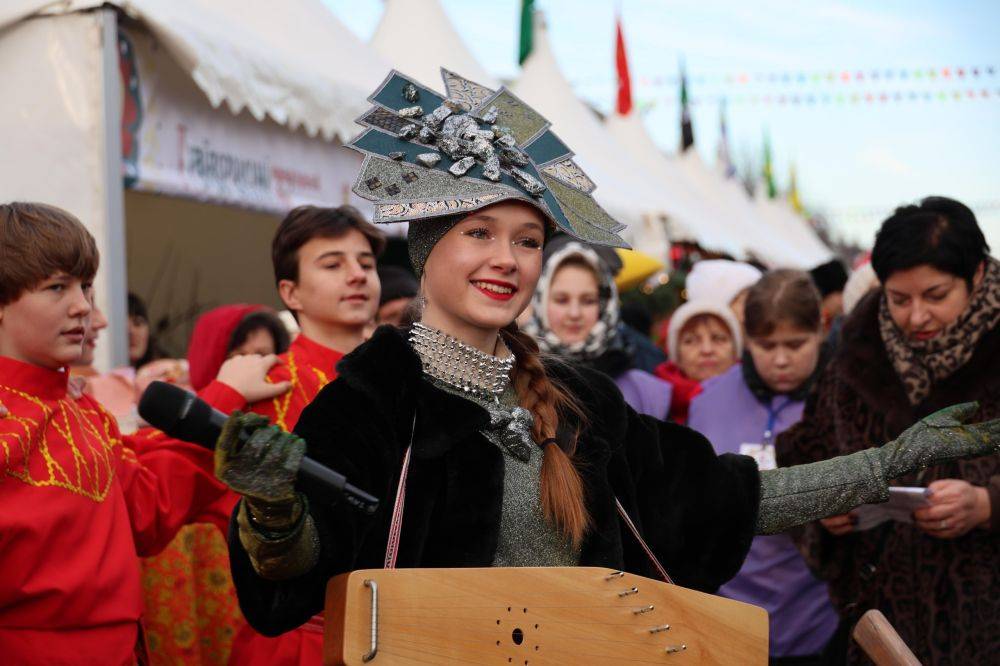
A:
742, 411
928, 338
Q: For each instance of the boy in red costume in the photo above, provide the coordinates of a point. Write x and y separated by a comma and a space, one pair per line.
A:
324, 267
81, 504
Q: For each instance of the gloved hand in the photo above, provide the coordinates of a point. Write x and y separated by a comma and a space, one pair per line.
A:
262, 468
275, 527
944, 435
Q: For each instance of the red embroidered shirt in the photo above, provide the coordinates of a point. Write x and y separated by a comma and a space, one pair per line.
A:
309, 366
80, 508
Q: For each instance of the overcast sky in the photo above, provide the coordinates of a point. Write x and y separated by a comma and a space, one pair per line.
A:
855, 160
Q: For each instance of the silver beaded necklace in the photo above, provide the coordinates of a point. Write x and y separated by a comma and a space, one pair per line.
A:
462, 366
482, 378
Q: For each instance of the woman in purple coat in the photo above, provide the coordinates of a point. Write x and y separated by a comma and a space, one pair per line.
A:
575, 315
742, 411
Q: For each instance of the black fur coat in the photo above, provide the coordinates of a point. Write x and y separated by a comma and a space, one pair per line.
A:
942, 595
695, 509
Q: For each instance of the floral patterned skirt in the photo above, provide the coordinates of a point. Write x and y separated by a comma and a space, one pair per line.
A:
191, 614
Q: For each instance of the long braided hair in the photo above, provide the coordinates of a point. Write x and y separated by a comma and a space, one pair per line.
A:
562, 491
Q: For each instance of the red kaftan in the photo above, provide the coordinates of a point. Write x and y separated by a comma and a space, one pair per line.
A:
79, 508
309, 366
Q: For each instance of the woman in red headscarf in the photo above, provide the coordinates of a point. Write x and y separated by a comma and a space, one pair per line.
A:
191, 609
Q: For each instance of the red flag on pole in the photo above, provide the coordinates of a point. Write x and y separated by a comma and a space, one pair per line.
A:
621, 63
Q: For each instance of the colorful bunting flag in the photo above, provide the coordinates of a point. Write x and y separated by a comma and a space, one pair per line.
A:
793, 193
621, 64
527, 42
839, 78
772, 190
687, 131
723, 154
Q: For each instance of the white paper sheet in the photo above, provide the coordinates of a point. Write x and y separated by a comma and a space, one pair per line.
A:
900, 507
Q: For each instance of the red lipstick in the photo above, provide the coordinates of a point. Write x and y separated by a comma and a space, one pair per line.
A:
495, 289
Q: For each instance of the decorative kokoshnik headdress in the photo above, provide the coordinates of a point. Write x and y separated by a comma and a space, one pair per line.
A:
428, 156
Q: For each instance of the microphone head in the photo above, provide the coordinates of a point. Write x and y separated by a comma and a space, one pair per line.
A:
178, 413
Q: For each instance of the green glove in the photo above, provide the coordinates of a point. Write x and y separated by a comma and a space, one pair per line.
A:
942, 436
262, 468
275, 527
791, 496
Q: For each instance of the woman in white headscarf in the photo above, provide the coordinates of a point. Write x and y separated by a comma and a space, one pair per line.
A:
575, 314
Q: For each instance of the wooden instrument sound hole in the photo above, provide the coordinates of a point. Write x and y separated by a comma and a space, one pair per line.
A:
517, 636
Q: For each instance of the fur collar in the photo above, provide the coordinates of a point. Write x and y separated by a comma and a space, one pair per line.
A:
389, 373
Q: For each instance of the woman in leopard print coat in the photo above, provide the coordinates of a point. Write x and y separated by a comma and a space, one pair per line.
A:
929, 338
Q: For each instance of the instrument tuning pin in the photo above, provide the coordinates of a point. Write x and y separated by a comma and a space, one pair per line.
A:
617, 574
674, 649
660, 629
631, 590
643, 610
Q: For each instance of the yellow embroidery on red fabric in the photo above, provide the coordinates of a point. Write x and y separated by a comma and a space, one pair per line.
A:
323, 380
93, 460
282, 402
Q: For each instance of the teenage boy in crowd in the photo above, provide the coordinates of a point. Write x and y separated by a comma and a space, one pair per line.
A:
81, 505
325, 271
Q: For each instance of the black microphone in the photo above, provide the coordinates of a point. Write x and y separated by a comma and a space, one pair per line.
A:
184, 416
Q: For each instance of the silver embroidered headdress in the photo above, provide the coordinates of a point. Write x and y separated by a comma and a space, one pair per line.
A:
428, 156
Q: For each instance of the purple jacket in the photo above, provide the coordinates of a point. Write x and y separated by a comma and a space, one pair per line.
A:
645, 393
774, 575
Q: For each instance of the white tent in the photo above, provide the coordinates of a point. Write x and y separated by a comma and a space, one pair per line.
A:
418, 39
630, 195
293, 61
778, 213
768, 245
692, 217
289, 70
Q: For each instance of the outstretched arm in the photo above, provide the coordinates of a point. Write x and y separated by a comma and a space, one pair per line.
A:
792, 496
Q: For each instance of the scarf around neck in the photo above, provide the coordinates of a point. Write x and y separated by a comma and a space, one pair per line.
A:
922, 363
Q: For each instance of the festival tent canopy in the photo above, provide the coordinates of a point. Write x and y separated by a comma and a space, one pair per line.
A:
692, 217
293, 61
772, 246
417, 38
291, 68
778, 213
626, 192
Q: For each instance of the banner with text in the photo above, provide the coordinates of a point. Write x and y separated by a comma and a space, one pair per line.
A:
175, 143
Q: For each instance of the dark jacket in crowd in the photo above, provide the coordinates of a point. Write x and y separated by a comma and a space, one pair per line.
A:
645, 355
696, 510
941, 595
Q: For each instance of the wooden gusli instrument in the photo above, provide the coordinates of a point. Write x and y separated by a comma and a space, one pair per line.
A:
534, 616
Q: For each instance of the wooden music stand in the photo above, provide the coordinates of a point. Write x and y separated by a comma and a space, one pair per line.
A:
533, 617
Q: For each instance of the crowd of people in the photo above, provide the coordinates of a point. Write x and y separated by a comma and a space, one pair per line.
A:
499, 390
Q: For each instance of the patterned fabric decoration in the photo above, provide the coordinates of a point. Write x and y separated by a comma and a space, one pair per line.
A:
571, 174
465, 92
428, 155
192, 614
